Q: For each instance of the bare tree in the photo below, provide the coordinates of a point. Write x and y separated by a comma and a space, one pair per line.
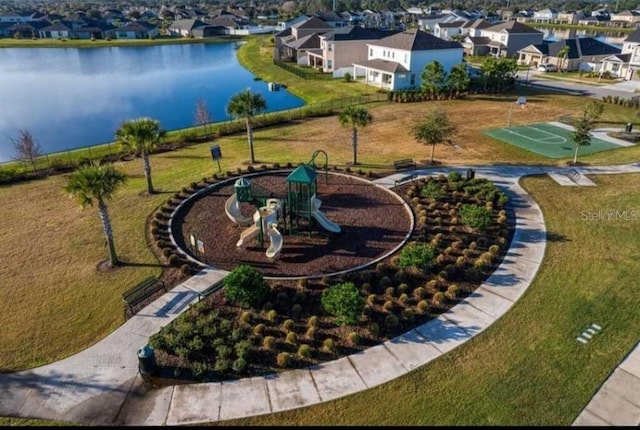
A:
26, 147
202, 116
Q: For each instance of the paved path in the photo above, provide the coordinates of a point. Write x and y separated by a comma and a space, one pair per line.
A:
623, 90
101, 386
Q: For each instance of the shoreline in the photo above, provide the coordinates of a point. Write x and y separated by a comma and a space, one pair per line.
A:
103, 43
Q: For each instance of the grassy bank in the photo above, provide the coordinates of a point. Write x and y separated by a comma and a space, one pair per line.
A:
87, 43
594, 28
63, 244
526, 369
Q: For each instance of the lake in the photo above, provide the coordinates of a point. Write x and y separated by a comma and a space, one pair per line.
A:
73, 97
614, 38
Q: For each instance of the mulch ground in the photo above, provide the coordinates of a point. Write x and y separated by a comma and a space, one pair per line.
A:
372, 220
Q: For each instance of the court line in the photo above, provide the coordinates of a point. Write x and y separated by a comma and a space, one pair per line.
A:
564, 140
537, 140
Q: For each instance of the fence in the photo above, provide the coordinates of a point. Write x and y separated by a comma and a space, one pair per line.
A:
306, 73
64, 161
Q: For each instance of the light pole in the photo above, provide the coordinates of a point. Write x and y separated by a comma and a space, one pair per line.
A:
522, 101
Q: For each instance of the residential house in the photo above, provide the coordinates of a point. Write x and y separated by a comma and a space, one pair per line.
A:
397, 62
184, 27
297, 20
428, 22
62, 29
570, 17
26, 30
594, 20
342, 47
507, 38
522, 16
626, 18
332, 19
304, 51
472, 28
545, 15
627, 64
137, 30
585, 53
4, 29
504, 14
15, 17
310, 26
444, 30
351, 17
95, 30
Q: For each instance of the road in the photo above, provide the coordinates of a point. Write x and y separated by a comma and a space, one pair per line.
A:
623, 90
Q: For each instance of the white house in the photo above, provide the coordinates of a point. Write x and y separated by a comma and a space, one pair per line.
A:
444, 30
545, 15
626, 64
396, 62
506, 39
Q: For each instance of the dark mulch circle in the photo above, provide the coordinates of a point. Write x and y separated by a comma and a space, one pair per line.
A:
373, 222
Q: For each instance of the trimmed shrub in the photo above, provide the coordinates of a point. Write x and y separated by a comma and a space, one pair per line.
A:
408, 314
391, 322
388, 306
438, 298
258, 330
417, 255
283, 359
291, 338
374, 329
287, 325
311, 332
452, 291
312, 321
371, 299
239, 364
404, 298
296, 310
329, 345
476, 217
222, 365
389, 292
245, 317
245, 286
422, 306
272, 315
304, 351
269, 342
354, 338
344, 302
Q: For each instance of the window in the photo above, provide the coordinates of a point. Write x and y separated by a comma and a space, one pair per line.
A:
370, 52
393, 55
413, 79
329, 64
405, 58
330, 45
503, 38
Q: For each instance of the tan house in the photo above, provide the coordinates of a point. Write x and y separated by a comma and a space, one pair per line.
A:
570, 17
627, 18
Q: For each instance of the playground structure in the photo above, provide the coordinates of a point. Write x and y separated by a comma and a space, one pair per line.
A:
296, 212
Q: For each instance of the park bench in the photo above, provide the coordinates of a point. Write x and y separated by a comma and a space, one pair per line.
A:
140, 293
210, 290
404, 164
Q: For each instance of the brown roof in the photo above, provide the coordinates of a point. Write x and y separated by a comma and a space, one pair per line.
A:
479, 40
513, 27
415, 41
312, 23
478, 23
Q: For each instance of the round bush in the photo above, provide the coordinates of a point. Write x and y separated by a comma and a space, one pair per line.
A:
272, 315
438, 298
408, 314
311, 332
291, 338
239, 364
344, 302
389, 292
304, 351
417, 255
329, 345
259, 329
283, 359
452, 291
391, 322
422, 306
419, 293
313, 321
371, 299
287, 325
245, 286
388, 306
245, 317
374, 329
269, 342
296, 310
404, 298
354, 338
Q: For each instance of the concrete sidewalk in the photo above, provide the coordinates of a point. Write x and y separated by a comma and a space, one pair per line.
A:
101, 386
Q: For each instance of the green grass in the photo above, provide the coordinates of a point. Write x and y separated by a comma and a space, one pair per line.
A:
26, 422
87, 43
575, 77
527, 368
547, 140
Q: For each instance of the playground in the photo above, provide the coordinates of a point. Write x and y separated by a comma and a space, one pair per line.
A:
324, 223
547, 140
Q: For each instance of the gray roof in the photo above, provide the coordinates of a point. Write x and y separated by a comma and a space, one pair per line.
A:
416, 41
634, 37
453, 24
186, 24
384, 65
224, 21
481, 40
513, 27
309, 41
477, 23
313, 22
624, 58
357, 33
578, 47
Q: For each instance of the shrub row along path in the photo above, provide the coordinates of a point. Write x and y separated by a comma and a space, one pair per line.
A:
102, 386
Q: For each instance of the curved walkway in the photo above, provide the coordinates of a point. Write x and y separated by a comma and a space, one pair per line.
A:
101, 385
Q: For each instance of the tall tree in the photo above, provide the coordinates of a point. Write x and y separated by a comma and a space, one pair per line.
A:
434, 78
247, 105
26, 147
202, 116
562, 55
97, 184
458, 79
433, 129
355, 117
141, 136
583, 126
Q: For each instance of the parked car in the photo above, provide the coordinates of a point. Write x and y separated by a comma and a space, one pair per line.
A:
547, 68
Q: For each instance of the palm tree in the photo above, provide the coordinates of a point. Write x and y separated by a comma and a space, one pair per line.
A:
142, 136
95, 183
433, 129
355, 117
247, 105
562, 55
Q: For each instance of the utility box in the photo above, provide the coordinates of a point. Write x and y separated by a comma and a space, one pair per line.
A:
471, 174
216, 152
629, 127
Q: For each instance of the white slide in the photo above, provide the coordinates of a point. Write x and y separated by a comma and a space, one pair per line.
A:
232, 208
276, 241
248, 234
321, 218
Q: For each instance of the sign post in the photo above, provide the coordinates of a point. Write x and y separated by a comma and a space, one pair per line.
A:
216, 154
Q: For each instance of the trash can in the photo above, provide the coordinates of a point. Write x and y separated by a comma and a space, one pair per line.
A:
629, 127
146, 360
471, 174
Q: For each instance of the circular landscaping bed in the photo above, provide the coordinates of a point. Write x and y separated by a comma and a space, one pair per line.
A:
256, 327
373, 222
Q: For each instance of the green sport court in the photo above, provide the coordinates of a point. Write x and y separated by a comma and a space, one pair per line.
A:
547, 140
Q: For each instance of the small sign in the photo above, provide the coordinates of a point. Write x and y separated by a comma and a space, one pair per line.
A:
201, 247
216, 152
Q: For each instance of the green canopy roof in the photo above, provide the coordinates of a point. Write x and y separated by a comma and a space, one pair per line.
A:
303, 174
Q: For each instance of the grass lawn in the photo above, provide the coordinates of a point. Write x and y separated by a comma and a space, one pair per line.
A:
57, 304
527, 368
25, 422
575, 76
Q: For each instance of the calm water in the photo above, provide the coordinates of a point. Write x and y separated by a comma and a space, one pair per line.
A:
612, 37
72, 97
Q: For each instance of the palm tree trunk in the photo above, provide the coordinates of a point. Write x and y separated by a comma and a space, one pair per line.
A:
433, 147
575, 155
147, 171
108, 232
354, 145
250, 139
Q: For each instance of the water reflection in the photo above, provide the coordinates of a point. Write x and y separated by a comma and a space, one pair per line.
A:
70, 97
614, 38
